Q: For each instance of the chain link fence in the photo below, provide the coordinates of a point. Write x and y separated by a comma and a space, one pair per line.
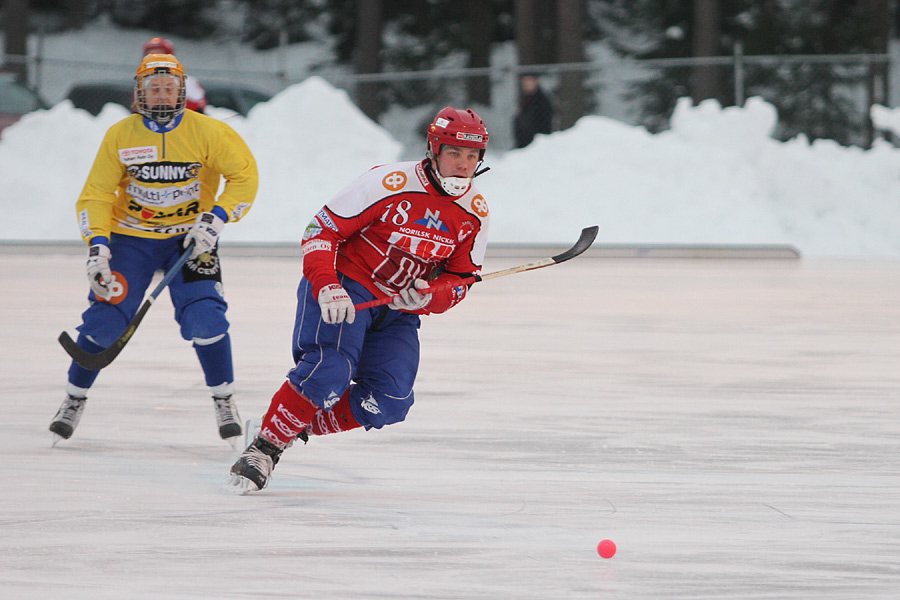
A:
817, 96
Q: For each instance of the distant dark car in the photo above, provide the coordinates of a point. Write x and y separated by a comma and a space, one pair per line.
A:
233, 97
16, 100
93, 96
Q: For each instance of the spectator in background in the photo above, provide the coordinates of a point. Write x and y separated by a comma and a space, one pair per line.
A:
534, 113
196, 95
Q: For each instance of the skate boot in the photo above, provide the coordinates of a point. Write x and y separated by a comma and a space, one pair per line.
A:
253, 469
67, 417
227, 417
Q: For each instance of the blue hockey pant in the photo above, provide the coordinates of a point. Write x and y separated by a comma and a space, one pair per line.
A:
196, 294
376, 357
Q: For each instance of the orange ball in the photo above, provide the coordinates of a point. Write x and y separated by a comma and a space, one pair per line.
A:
606, 548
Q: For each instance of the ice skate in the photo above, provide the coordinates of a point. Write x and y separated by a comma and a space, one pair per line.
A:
228, 419
253, 469
67, 417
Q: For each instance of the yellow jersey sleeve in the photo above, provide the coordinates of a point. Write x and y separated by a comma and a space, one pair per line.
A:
232, 158
95, 204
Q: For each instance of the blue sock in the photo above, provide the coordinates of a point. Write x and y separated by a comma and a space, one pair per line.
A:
215, 359
78, 375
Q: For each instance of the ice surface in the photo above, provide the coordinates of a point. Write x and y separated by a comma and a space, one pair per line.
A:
731, 425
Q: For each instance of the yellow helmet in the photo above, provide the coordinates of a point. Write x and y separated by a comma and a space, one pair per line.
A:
152, 67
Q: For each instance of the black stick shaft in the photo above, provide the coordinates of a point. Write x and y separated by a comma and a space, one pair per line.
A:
94, 361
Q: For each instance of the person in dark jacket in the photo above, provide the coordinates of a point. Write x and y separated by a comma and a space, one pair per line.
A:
534, 113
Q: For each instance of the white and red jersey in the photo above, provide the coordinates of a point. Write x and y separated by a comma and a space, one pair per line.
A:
194, 94
392, 226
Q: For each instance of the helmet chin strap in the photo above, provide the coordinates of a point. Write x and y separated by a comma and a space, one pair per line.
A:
455, 186
162, 114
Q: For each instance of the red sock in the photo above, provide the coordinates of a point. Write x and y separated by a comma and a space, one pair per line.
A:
290, 412
339, 418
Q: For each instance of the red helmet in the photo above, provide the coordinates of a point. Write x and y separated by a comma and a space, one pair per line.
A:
159, 45
456, 127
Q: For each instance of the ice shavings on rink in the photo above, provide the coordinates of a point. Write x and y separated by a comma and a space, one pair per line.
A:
716, 177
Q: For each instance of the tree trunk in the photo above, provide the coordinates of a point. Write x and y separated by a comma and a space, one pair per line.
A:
705, 79
367, 56
535, 27
546, 15
15, 29
76, 11
570, 49
875, 29
478, 32
527, 40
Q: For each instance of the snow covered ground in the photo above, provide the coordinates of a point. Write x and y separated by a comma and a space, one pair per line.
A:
715, 178
731, 425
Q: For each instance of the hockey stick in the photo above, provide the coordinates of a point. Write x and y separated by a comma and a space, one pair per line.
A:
98, 360
588, 234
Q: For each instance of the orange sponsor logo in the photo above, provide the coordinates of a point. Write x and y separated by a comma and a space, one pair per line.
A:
118, 289
479, 205
394, 181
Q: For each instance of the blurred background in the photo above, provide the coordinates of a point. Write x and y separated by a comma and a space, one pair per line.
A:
529, 66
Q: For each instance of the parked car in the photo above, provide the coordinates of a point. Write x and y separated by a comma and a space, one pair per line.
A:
238, 98
16, 100
94, 95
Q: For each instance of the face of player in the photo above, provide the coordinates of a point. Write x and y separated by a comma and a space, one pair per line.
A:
457, 161
161, 90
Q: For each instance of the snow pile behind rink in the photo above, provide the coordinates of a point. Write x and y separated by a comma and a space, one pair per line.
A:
716, 177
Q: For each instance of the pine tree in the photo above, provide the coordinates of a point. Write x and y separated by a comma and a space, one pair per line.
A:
816, 99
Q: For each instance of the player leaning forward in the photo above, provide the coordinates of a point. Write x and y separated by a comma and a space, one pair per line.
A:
393, 231
151, 191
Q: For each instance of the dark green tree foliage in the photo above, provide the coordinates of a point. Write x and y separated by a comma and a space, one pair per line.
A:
818, 100
418, 35
268, 20
186, 18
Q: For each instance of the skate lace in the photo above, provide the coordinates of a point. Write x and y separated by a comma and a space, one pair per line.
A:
69, 411
258, 460
225, 411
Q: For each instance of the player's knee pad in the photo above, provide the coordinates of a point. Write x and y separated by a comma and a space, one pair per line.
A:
377, 409
203, 320
103, 323
322, 375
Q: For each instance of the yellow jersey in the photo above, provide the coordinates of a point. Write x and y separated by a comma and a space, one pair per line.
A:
154, 182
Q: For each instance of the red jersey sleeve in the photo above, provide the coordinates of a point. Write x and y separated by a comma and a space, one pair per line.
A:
349, 212
319, 248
